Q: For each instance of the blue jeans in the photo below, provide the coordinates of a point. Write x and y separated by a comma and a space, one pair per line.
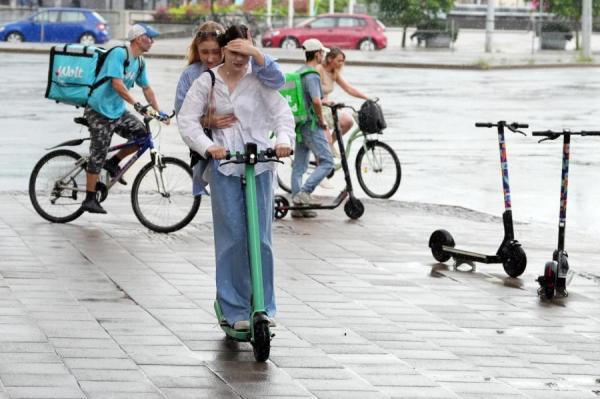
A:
234, 284
315, 142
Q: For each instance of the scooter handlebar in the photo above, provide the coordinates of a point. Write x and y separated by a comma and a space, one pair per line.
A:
482, 124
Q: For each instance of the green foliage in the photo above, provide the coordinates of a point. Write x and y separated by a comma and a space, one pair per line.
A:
411, 12
191, 13
556, 26
570, 9
322, 6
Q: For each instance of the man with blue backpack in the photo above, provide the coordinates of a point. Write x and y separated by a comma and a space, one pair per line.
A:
310, 133
106, 113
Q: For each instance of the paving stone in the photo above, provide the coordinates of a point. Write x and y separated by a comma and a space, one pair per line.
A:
37, 380
31, 392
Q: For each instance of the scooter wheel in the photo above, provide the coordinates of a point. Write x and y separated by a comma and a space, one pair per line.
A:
562, 268
438, 239
550, 277
515, 260
262, 341
280, 209
354, 208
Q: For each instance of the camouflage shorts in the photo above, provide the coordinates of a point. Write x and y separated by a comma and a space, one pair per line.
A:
101, 131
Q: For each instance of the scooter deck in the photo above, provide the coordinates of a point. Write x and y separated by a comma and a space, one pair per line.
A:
461, 253
236, 335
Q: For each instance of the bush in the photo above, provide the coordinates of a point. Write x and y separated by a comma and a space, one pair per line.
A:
558, 26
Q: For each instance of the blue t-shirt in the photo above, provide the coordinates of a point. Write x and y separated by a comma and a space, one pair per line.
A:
105, 99
311, 84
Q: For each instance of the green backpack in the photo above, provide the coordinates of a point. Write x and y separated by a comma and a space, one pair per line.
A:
293, 92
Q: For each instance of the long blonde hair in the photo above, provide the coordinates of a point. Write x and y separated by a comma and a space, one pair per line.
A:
209, 30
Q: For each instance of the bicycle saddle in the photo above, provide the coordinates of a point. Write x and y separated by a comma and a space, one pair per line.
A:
81, 120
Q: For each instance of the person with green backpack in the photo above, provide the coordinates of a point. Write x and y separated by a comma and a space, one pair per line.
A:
310, 132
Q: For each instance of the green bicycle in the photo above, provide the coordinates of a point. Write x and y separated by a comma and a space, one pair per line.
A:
377, 166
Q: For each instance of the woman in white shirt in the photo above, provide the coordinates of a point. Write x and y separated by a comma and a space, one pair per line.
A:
258, 110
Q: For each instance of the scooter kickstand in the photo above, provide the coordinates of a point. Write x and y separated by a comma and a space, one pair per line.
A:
460, 261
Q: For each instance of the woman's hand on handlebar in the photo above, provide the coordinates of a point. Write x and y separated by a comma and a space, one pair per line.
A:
283, 150
217, 152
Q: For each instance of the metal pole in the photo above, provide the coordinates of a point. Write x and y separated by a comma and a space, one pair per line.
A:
351, 7
489, 26
269, 12
540, 23
331, 6
311, 8
586, 28
290, 13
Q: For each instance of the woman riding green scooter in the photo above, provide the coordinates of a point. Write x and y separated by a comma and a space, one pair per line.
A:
258, 110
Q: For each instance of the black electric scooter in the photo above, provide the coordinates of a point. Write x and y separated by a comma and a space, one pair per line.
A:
510, 253
353, 207
555, 278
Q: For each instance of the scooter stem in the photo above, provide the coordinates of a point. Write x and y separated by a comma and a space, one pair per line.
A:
564, 186
507, 220
254, 241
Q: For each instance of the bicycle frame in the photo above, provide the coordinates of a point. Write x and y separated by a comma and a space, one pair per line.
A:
354, 135
144, 144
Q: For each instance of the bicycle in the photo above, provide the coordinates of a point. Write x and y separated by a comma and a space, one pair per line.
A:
377, 166
161, 194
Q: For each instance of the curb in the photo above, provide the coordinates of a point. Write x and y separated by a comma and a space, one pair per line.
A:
406, 65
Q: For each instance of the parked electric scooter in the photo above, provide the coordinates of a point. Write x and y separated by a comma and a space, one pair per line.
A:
259, 334
353, 208
556, 272
510, 253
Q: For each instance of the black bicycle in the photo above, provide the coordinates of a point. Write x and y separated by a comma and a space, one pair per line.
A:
161, 195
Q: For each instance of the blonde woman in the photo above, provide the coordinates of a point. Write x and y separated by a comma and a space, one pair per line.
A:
331, 73
258, 111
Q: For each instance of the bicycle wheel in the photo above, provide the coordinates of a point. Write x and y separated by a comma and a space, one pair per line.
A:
57, 186
162, 197
378, 170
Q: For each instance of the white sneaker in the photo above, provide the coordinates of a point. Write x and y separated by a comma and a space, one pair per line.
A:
272, 322
241, 325
303, 198
326, 184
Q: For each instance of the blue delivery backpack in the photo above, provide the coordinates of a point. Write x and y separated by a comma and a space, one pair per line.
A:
73, 72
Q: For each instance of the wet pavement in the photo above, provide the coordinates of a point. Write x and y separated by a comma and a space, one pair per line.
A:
430, 116
103, 308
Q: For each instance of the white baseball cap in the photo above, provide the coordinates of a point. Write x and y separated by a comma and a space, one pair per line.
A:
314, 45
138, 30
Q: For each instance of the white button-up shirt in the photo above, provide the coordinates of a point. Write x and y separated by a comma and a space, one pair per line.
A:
258, 109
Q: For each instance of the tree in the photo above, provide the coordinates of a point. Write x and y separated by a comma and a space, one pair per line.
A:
407, 13
569, 10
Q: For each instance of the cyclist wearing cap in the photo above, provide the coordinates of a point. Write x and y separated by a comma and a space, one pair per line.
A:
106, 113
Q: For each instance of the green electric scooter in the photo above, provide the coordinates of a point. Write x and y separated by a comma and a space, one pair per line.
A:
259, 334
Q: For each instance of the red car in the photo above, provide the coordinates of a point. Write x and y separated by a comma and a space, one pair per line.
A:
352, 31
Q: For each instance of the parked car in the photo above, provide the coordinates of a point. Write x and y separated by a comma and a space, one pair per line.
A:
59, 24
352, 31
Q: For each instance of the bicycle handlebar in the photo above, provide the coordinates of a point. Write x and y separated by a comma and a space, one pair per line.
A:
336, 106
159, 116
